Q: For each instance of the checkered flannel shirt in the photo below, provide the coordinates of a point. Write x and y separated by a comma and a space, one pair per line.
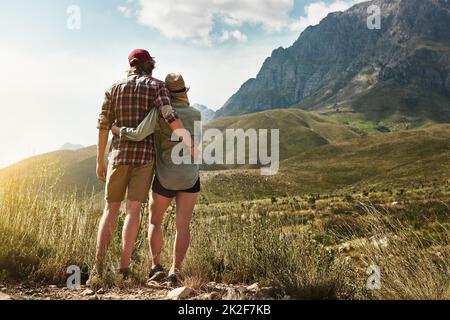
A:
126, 104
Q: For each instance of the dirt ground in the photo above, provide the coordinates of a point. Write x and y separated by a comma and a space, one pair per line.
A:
150, 291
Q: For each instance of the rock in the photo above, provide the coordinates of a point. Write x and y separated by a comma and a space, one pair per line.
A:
242, 290
213, 296
101, 291
180, 293
253, 287
87, 292
233, 294
4, 297
268, 291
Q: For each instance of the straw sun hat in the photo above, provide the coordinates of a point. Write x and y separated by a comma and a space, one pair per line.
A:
176, 85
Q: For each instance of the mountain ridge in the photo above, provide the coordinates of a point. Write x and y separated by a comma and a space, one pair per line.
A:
340, 61
207, 113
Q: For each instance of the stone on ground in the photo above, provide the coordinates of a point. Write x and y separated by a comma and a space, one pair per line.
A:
180, 293
253, 287
4, 297
88, 292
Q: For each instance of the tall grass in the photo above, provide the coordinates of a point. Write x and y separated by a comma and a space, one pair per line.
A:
43, 232
413, 266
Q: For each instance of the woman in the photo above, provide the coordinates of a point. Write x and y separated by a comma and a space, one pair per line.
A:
179, 182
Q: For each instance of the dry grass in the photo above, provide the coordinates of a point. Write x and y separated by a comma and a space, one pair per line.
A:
278, 242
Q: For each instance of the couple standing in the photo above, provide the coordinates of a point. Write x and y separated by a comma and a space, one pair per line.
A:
144, 114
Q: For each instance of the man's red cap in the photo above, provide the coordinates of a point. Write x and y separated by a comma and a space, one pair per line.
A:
139, 56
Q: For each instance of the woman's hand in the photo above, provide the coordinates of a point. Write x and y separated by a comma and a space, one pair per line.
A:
115, 130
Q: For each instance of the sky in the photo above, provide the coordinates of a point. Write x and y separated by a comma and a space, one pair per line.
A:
58, 57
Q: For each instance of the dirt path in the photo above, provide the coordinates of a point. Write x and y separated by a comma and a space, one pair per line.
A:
152, 291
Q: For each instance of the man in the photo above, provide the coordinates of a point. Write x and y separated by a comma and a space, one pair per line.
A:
131, 164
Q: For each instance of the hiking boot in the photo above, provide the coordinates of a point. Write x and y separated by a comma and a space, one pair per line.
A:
157, 274
173, 279
94, 278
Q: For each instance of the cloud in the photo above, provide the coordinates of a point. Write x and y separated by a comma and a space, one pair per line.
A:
197, 19
236, 34
206, 22
315, 12
126, 11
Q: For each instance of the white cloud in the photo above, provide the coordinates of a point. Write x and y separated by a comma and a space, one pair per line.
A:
315, 12
195, 20
198, 20
236, 34
126, 11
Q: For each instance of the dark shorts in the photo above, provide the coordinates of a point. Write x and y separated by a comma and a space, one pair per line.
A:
159, 189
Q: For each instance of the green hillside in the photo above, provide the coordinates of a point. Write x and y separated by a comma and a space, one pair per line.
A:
317, 156
381, 161
71, 170
300, 131
390, 108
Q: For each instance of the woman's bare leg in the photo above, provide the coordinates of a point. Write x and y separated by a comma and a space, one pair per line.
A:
155, 235
185, 208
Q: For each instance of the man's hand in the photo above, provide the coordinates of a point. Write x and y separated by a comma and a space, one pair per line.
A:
101, 147
101, 171
116, 131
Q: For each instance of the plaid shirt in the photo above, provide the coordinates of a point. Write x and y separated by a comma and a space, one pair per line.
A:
126, 104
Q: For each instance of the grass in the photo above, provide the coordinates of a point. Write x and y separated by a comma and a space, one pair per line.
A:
310, 232
306, 246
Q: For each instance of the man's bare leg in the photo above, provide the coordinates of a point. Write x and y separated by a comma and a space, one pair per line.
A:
185, 208
156, 238
106, 232
130, 232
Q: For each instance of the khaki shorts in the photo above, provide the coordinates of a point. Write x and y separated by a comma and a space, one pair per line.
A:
136, 179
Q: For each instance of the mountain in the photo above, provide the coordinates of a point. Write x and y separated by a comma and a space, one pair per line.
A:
399, 74
207, 114
70, 146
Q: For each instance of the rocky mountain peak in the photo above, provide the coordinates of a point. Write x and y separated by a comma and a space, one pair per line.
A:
341, 60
